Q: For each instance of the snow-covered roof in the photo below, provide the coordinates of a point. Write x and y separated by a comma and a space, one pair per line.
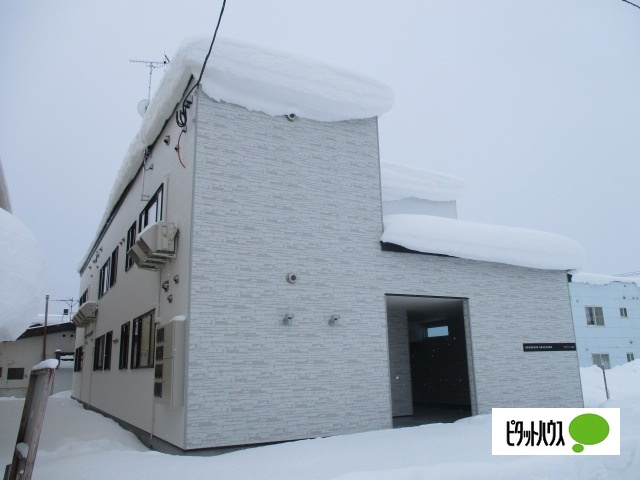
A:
258, 79
476, 241
600, 279
404, 181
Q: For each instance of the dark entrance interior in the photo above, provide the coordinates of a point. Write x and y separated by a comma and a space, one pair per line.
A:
428, 359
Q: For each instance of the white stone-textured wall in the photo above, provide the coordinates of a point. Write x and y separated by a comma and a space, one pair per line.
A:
273, 197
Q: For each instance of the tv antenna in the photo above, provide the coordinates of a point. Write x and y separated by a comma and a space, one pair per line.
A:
151, 65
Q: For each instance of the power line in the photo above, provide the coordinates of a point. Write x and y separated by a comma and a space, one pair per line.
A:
631, 3
181, 115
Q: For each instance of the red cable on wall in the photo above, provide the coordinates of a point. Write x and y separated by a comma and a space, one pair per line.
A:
178, 149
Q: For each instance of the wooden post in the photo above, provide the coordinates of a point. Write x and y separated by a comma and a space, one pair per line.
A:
35, 404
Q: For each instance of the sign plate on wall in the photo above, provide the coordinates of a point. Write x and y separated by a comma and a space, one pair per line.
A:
548, 347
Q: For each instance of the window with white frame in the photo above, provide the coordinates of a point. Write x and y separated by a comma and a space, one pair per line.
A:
601, 360
623, 312
594, 316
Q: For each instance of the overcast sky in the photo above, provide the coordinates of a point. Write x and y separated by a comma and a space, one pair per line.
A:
536, 104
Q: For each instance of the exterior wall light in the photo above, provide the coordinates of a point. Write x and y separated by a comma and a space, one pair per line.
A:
287, 321
333, 321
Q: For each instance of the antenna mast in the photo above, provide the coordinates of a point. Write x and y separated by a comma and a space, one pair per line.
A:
151, 65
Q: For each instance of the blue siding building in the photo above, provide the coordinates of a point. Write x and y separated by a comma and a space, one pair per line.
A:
606, 316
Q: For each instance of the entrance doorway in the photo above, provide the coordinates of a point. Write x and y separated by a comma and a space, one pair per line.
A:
429, 359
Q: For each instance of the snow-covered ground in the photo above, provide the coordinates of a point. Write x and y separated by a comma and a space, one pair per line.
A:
78, 444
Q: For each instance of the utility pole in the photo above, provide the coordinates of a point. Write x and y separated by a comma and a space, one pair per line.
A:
44, 336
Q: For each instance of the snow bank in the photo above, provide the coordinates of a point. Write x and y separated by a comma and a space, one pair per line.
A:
476, 241
21, 276
258, 79
75, 441
599, 279
404, 181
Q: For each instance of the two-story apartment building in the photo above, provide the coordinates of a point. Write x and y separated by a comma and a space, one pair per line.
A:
244, 288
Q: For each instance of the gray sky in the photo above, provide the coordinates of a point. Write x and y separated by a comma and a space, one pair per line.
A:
535, 103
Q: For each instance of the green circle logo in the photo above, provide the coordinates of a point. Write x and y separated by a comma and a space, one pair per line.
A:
588, 429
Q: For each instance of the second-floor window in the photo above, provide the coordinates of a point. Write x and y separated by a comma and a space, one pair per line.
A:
108, 273
594, 316
152, 213
105, 278
131, 239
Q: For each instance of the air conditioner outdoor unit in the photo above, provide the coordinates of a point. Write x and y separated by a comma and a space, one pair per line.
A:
85, 314
154, 246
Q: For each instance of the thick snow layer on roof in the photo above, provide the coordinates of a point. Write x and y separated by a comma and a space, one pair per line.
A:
258, 79
599, 279
476, 241
404, 181
21, 276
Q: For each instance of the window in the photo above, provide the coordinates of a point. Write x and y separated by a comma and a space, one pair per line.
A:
594, 316
131, 240
114, 267
623, 312
601, 359
630, 357
102, 352
431, 332
142, 341
84, 297
124, 345
77, 361
0, 372
15, 373
98, 353
108, 273
105, 281
108, 341
152, 213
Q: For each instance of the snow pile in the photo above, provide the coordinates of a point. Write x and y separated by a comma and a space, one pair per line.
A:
258, 79
403, 181
21, 276
49, 363
599, 279
477, 241
76, 443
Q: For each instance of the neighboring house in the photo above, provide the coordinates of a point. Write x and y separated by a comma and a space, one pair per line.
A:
606, 317
242, 289
18, 357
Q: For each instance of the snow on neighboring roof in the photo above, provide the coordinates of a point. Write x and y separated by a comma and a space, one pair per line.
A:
488, 243
258, 79
404, 181
600, 279
21, 276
